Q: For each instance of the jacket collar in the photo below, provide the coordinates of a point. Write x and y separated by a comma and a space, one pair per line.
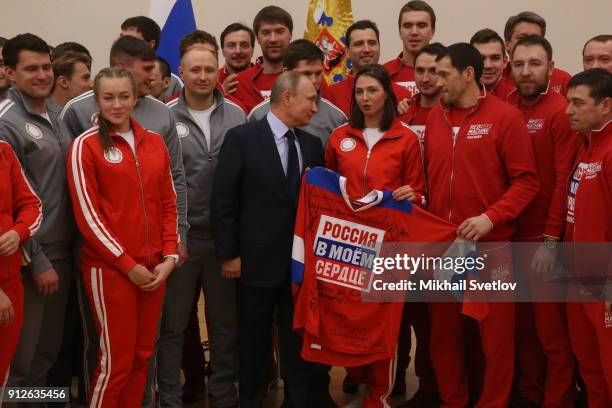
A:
181, 102
481, 98
598, 136
135, 127
16, 96
514, 97
394, 131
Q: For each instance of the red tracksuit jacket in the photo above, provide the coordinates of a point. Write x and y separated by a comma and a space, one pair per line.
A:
341, 94
589, 201
20, 208
554, 145
402, 74
487, 168
393, 162
247, 95
416, 117
124, 203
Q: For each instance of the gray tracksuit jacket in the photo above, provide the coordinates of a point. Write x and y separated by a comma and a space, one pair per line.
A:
322, 124
200, 162
79, 115
41, 147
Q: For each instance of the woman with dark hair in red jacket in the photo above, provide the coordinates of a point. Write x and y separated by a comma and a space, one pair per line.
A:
20, 218
375, 150
125, 207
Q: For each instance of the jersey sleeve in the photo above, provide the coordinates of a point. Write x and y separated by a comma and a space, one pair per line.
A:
566, 145
27, 205
516, 154
178, 175
82, 182
169, 220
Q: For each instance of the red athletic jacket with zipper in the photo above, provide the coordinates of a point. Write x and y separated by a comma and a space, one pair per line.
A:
20, 208
554, 146
393, 162
488, 167
124, 202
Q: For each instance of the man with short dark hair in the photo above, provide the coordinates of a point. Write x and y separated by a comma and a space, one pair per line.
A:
597, 53
203, 117
589, 219
149, 31
495, 59
72, 78
481, 174
4, 82
162, 78
363, 48
529, 23
542, 222
426, 81
417, 25
306, 58
273, 28
40, 142
237, 45
253, 209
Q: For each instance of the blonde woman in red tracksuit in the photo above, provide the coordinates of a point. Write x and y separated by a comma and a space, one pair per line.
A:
20, 218
125, 207
375, 150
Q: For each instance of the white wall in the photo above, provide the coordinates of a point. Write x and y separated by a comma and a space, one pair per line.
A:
95, 23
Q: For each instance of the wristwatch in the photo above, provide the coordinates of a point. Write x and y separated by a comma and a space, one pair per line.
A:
550, 242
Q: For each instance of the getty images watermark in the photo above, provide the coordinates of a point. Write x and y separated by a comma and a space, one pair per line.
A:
440, 272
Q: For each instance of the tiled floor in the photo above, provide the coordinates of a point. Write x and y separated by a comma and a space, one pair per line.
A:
275, 398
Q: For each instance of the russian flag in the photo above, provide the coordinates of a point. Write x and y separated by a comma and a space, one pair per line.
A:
176, 18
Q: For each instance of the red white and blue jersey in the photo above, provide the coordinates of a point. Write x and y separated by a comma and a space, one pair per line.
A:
336, 241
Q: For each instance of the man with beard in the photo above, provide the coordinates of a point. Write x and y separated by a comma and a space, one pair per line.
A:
363, 47
545, 342
417, 25
493, 51
597, 53
4, 82
529, 23
237, 46
273, 27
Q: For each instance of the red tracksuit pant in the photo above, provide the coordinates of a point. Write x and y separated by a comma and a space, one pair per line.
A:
9, 335
447, 347
126, 320
590, 327
379, 378
547, 363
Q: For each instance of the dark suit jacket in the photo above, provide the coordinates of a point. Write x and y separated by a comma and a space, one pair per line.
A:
252, 214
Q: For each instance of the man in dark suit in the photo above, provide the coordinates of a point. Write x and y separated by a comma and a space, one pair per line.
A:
253, 208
